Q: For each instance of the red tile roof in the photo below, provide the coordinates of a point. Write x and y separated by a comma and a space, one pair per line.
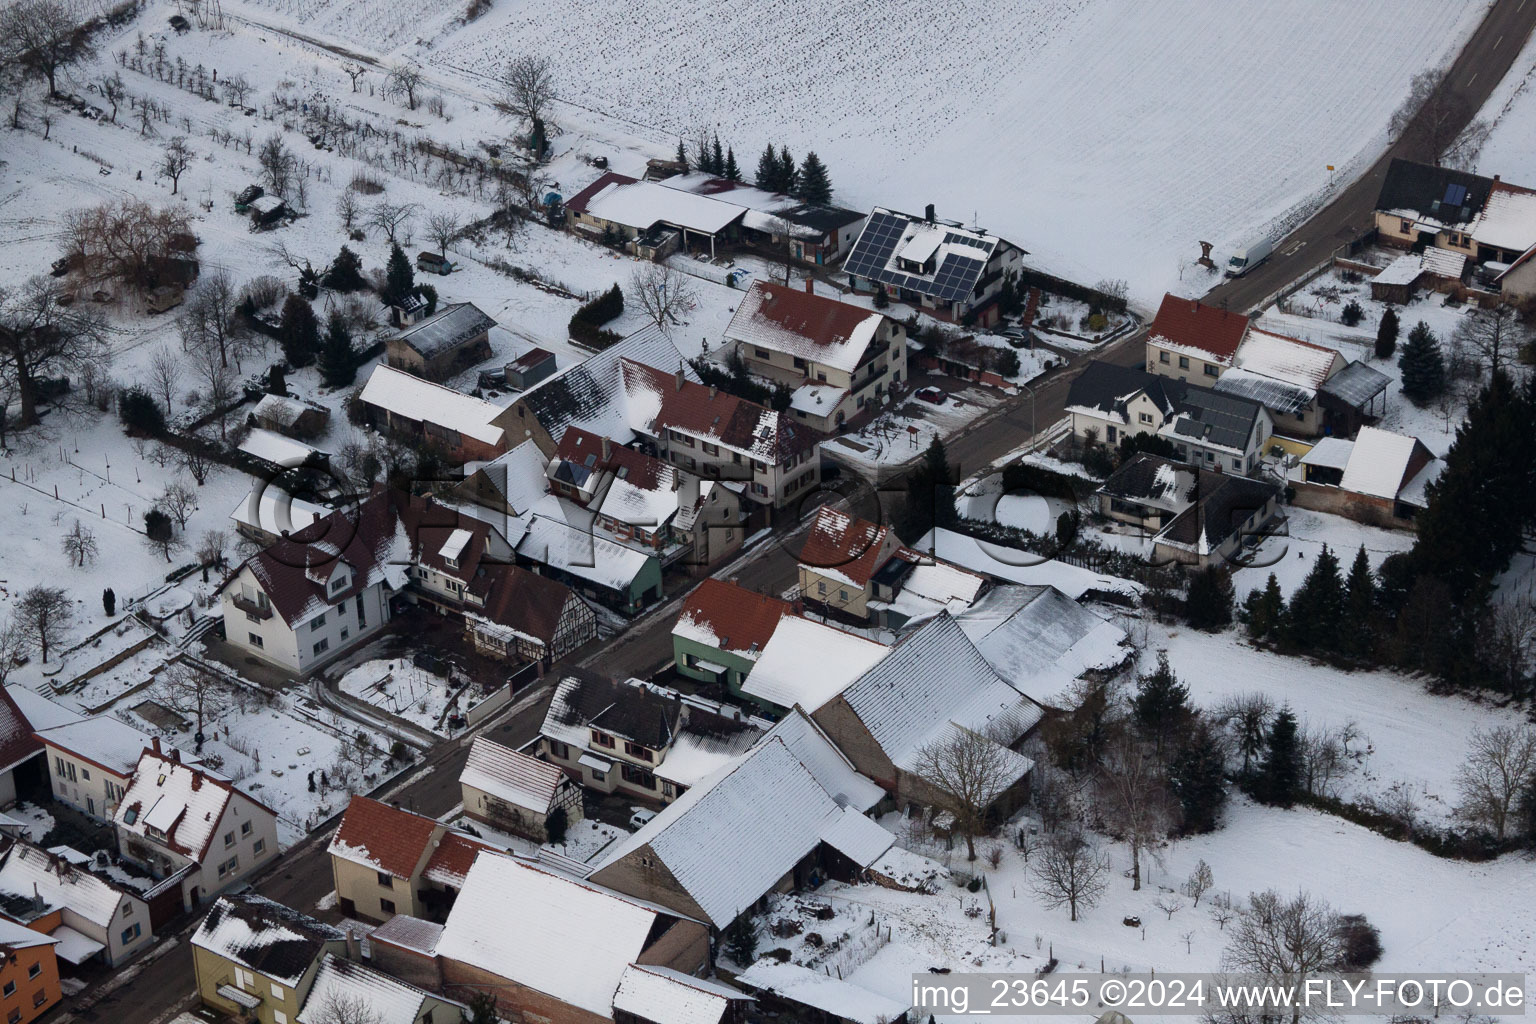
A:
739, 618
429, 524
848, 546
385, 838
578, 202
826, 322
734, 422
525, 601
452, 859
16, 740
644, 471
1191, 324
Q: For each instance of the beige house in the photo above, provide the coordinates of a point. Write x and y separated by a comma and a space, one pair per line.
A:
842, 359
91, 763
256, 960
510, 791
1193, 342
840, 560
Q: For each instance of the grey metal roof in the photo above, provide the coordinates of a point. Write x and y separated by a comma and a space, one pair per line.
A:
448, 329
1267, 391
1356, 384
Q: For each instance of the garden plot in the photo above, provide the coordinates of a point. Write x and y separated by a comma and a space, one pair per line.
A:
404, 690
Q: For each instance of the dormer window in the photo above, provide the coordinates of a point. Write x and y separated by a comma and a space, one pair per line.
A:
452, 563
338, 583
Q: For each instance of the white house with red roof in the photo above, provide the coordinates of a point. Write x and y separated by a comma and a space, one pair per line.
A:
841, 358
184, 822
1191, 341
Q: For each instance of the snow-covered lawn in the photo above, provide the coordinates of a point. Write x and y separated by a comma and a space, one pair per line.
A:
1291, 556
397, 686
1407, 735
1222, 120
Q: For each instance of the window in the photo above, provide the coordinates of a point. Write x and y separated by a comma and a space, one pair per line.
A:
1144, 417
34, 970
821, 588
386, 879
637, 751
277, 991
799, 363
85, 774
709, 449
344, 633
598, 776
13, 1017
132, 932
229, 839
1109, 434
602, 739
637, 776
1407, 226
259, 847
245, 828
338, 583
1237, 464
10, 989
279, 1017
229, 867
560, 750
317, 622
58, 766
362, 616
667, 789
452, 563
842, 595
760, 353
1162, 357
256, 641
39, 997
1210, 370
322, 646
388, 906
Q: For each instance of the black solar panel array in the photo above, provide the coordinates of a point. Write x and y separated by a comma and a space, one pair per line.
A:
1227, 420
954, 280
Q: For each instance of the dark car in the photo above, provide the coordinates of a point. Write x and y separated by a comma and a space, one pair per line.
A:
933, 396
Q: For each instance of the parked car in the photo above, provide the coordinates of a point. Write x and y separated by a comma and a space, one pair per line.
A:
638, 820
1249, 256
933, 396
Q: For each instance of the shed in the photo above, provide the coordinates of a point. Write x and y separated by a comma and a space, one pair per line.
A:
529, 368
267, 210
511, 791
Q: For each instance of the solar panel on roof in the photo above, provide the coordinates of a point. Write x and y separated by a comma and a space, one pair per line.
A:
1454, 194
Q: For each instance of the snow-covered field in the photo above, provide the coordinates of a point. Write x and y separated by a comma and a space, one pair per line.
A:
1224, 119
1511, 110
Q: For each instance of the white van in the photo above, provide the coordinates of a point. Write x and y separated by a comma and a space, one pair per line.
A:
1249, 256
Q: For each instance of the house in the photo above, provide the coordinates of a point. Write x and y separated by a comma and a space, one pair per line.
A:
256, 959
387, 861
807, 663
1010, 565
452, 339
530, 368
840, 358
290, 416
839, 562
320, 591
931, 686
91, 916
947, 270
1424, 205
661, 995
562, 541
91, 762
1517, 282
1285, 375
1379, 478
21, 765
341, 983
528, 617
635, 497
183, 822
275, 453
1107, 403
462, 427
807, 232
722, 631
269, 512
764, 823
1188, 339
912, 588
651, 219
29, 972
1197, 517
513, 792
530, 969
405, 948
1040, 640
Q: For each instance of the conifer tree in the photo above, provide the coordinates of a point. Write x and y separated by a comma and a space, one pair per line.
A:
1422, 366
1279, 779
1209, 604
732, 170
814, 186
1360, 605
789, 177
716, 157
399, 278
299, 332
1161, 705
1386, 334
930, 492
1315, 619
345, 273
767, 170
1198, 779
682, 153
338, 359
1264, 610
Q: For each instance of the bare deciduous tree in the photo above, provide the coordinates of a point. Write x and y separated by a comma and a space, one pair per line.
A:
1500, 766
347, 208
112, 90
208, 320
1491, 337
210, 550
44, 39
43, 335
1169, 905
44, 615
219, 381
79, 545
165, 373
1199, 882
1431, 117
196, 461
1285, 940
236, 89
355, 72
967, 772
1069, 872
1134, 799
1247, 715
125, 240
277, 163
442, 229
342, 1008
393, 219
177, 501
175, 159
662, 292
1322, 760
189, 689
13, 645
1222, 911
404, 80
527, 87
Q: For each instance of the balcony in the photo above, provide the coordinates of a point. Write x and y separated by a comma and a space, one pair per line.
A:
261, 609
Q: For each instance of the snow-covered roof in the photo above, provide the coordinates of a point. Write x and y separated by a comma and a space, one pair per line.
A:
566, 938
808, 663
1039, 639
1017, 566
272, 510
844, 547
959, 254
798, 323
665, 996
1329, 452
1508, 219
1379, 463
1278, 395
705, 744
282, 409
19, 936
1444, 263
413, 933
729, 839
841, 999
930, 679
110, 744
830, 766
264, 936
1415, 491
340, 982
30, 872
511, 775
816, 399
181, 802
409, 396
1287, 359
728, 617
446, 329
276, 449
1403, 270
382, 837
643, 204
932, 587
40, 712
560, 535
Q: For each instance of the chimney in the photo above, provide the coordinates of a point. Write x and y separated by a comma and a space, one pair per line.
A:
711, 392
354, 948
1194, 305
928, 213
154, 743
607, 449
680, 377
176, 754
1495, 177
810, 286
